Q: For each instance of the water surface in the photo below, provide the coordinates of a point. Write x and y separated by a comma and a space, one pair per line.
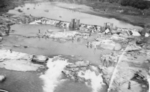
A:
30, 81
51, 11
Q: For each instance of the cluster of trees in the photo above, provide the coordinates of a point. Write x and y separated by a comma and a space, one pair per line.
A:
140, 4
3, 3
8, 3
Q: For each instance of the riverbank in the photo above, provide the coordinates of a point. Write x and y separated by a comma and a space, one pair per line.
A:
99, 9
108, 12
125, 13
86, 57
6, 5
48, 10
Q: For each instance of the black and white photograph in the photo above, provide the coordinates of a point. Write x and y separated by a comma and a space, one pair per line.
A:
74, 45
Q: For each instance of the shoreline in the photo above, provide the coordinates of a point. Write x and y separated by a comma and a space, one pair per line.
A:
118, 18
131, 19
107, 15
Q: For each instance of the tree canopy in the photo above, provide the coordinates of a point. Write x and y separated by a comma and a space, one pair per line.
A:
140, 4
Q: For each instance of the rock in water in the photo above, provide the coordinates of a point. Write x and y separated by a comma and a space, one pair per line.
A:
2, 78
135, 33
107, 31
95, 69
82, 63
19, 10
117, 47
4, 30
147, 35
12, 55
39, 59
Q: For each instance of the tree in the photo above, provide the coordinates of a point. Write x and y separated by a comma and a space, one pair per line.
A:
139, 4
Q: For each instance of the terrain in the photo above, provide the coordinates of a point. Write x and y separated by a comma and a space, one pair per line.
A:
41, 53
105, 9
115, 10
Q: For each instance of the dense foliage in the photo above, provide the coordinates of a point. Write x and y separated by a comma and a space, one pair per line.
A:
140, 4
3, 3
6, 5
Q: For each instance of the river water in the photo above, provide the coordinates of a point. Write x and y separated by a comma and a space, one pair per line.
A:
54, 12
31, 81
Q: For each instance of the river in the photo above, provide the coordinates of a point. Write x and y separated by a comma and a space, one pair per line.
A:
51, 11
30, 81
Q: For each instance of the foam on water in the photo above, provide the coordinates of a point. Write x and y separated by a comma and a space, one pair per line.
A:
53, 75
96, 80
